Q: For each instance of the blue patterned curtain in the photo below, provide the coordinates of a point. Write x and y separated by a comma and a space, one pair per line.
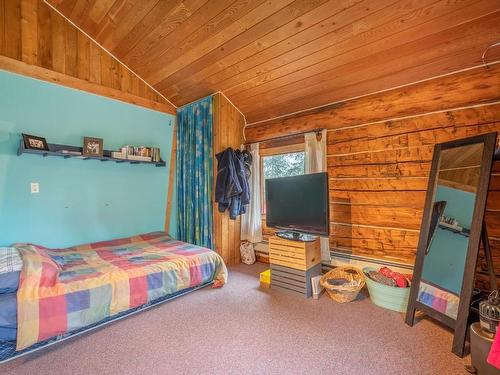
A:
195, 173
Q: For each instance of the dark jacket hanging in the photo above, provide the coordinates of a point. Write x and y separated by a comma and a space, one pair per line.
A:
232, 190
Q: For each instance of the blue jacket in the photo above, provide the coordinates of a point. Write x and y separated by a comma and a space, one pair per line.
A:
232, 190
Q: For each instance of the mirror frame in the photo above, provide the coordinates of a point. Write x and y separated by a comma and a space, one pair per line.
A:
461, 323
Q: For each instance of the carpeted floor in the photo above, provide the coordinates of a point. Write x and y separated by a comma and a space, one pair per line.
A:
241, 329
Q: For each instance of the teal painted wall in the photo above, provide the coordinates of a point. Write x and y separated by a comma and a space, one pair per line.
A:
79, 201
444, 265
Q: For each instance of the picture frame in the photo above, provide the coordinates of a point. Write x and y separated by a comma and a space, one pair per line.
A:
93, 147
33, 142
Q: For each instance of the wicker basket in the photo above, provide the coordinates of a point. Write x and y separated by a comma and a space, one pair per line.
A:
343, 293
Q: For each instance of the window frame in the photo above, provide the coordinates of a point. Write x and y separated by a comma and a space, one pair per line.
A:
274, 151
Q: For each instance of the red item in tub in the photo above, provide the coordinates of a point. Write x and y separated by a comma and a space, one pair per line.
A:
386, 271
400, 280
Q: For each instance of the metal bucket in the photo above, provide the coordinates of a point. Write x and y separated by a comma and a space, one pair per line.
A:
480, 344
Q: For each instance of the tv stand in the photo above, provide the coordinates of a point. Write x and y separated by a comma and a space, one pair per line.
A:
295, 236
293, 263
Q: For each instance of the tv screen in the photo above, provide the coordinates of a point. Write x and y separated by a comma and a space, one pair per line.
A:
298, 203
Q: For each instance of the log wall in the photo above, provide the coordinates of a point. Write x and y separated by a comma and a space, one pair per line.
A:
379, 153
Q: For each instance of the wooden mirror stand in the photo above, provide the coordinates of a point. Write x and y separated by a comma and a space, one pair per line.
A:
443, 281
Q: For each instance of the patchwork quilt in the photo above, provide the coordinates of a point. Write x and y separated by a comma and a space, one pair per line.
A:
62, 290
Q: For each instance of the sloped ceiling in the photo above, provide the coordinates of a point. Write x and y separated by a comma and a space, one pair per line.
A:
38, 42
280, 56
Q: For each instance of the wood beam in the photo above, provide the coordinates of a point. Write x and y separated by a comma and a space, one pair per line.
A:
465, 88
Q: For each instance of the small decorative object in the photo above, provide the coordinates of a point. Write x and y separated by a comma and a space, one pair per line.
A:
35, 143
317, 289
343, 283
92, 146
265, 279
489, 312
247, 252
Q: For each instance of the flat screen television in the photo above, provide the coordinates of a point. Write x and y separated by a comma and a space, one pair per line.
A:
298, 203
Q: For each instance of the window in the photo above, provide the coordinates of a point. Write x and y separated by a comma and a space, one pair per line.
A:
280, 165
283, 165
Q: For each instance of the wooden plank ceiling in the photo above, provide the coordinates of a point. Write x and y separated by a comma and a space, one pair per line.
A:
275, 57
38, 42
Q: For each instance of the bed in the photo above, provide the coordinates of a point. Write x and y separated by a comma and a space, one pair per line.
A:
49, 293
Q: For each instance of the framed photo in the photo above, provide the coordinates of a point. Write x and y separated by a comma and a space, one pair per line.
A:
92, 146
35, 143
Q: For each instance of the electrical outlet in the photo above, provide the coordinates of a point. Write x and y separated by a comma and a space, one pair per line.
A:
35, 188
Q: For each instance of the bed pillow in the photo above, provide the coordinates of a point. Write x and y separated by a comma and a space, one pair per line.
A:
10, 269
39, 267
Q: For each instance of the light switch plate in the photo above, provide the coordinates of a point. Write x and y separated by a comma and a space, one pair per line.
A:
35, 188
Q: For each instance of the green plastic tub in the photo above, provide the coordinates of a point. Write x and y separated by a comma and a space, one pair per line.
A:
385, 296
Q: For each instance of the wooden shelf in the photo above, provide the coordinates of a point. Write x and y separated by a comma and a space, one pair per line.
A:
57, 150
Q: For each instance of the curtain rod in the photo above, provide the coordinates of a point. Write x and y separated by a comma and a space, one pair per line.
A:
318, 130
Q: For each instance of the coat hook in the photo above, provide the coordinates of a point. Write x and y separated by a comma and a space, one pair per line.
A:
319, 135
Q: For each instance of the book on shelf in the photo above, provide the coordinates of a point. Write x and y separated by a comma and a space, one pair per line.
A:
69, 152
141, 153
139, 158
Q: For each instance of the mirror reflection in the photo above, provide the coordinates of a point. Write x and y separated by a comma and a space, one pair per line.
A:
448, 240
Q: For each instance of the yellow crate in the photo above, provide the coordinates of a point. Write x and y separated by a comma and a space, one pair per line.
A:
265, 279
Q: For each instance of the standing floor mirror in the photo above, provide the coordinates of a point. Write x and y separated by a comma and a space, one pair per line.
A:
450, 234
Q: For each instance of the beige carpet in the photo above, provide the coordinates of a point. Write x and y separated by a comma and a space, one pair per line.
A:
241, 329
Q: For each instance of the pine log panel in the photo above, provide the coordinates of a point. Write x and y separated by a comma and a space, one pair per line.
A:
379, 154
463, 89
277, 57
380, 199
376, 203
227, 132
38, 42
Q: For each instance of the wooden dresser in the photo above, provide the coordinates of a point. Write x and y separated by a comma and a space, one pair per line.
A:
293, 263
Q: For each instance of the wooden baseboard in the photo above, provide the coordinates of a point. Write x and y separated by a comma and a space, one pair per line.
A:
262, 259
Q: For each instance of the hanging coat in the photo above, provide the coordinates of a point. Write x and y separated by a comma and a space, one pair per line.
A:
232, 191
